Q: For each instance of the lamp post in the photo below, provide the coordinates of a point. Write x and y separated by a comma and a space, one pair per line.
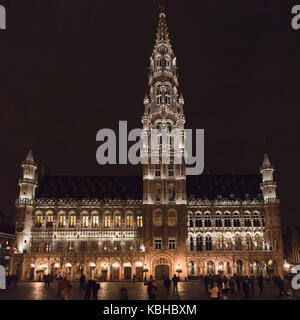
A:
145, 270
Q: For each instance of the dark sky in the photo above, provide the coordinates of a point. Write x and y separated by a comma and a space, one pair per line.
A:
70, 68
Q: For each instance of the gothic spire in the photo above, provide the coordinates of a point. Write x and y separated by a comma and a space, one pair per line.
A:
162, 34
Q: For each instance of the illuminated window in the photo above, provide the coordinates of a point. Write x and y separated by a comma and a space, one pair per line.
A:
48, 247
62, 221
129, 221
50, 218
219, 243
71, 246
72, 222
158, 219
171, 220
139, 221
117, 221
85, 221
38, 221
157, 244
95, 221
107, 221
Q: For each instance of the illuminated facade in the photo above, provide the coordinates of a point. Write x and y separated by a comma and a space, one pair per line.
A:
159, 224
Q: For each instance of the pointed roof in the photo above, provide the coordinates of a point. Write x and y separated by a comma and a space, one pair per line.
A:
30, 156
162, 34
266, 163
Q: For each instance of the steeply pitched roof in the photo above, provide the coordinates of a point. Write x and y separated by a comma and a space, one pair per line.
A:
131, 187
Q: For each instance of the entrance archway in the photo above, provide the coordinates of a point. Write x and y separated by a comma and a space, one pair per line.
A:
162, 271
115, 271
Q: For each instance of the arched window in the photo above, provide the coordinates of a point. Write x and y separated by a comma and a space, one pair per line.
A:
168, 95
221, 266
210, 266
207, 220
236, 220
171, 219
158, 96
227, 220
208, 243
198, 221
218, 220
199, 243
171, 193
191, 244
117, 221
259, 243
239, 267
157, 219
191, 268
191, 223
247, 221
256, 222
229, 244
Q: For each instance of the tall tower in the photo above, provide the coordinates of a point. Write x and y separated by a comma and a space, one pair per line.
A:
28, 185
273, 234
164, 179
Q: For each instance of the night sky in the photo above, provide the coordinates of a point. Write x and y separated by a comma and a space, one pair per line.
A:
70, 68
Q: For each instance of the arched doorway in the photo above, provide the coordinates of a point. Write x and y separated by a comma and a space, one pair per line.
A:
31, 272
127, 271
162, 271
115, 271
55, 270
191, 269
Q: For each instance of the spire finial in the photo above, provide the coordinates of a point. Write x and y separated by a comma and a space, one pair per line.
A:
162, 29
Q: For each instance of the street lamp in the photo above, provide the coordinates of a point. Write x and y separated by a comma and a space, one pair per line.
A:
145, 269
178, 269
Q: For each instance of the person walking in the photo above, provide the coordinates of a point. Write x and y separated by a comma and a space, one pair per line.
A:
133, 277
280, 285
47, 281
81, 281
88, 290
260, 283
245, 287
65, 288
214, 292
175, 281
151, 290
95, 289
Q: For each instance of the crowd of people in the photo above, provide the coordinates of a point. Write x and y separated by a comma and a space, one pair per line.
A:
215, 286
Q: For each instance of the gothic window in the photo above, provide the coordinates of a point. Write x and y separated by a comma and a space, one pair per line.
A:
207, 220
72, 223
199, 243
171, 220
129, 221
191, 268
191, 244
158, 96
229, 244
117, 221
191, 224
50, 220
227, 220
168, 95
239, 267
38, 221
139, 221
107, 221
48, 247
95, 221
247, 221
208, 243
62, 221
236, 220
71, 246
198, 221
256, 222
158, 219
85, 221
218, 220
259, 244
210, 266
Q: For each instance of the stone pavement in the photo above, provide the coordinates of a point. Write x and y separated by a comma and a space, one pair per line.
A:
191, 290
